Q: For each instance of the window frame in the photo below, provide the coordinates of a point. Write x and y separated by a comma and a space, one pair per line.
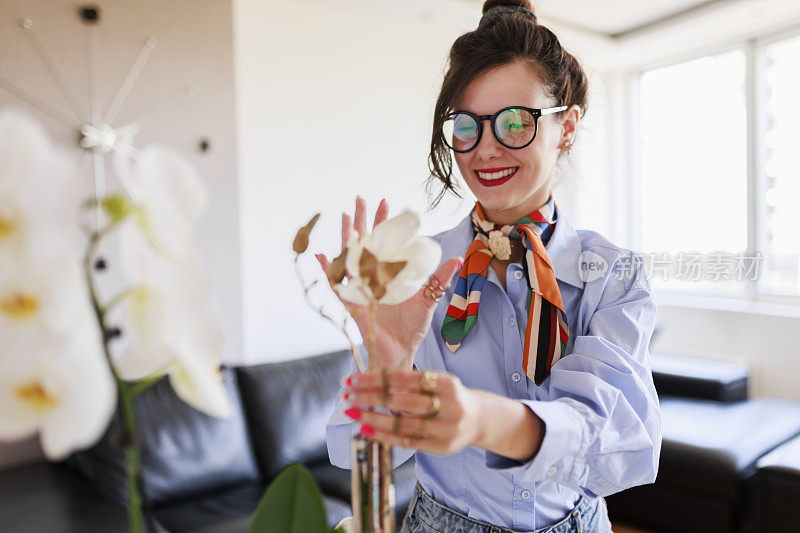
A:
755, 298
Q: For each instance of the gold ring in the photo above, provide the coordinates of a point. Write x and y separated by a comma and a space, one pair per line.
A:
433, 283
431, 296
433, 289
428, 381
396, 425
385, 379
436, 405
421, 433
406, 442
384, 395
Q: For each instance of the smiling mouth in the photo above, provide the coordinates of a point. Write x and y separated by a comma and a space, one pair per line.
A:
497, 177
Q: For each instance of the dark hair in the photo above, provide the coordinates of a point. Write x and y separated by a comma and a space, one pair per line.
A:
507, 33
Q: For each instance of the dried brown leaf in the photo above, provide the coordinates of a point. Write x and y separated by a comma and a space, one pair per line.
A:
337, 270
300, 243
377, 274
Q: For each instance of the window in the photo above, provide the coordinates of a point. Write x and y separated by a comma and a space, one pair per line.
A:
782, 167
693, 168
719, 172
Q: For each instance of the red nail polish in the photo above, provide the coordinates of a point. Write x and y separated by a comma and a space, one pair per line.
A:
346, 395
354, 413
367, 430
348, 381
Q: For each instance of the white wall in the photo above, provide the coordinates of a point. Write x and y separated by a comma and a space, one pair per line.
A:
196, 49
329, 62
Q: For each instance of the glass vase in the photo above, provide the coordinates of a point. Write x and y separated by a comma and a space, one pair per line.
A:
373, 498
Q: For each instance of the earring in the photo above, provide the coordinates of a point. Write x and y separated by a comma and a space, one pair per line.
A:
567, 146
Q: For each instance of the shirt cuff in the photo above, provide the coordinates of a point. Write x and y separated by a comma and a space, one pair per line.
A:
560, 457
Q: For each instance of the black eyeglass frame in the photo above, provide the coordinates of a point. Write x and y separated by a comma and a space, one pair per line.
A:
536, 113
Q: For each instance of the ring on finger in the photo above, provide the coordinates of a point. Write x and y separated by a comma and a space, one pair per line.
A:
434, 284
431, 296
433, 289
406, 442
384, 396
421, 433
396, 425
436, 405
428, 381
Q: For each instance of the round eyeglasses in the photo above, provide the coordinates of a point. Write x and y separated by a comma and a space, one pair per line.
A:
514, 127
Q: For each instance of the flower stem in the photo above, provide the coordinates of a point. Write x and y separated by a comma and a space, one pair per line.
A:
321, 312
124, 391
371, 334
135, 522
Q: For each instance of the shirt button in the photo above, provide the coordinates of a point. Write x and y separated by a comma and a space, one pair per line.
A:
526, 495
516, 376
512, 321
552, 470
518, 274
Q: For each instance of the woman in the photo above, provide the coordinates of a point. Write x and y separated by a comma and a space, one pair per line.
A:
536, 397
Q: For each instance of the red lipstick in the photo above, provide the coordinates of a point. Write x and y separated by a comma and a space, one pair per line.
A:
495, 182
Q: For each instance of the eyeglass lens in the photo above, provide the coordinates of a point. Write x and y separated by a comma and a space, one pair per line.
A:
514, 128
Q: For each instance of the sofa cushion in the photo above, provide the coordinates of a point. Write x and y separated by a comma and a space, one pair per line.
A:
183, 451
710, 446
288, 405
48, 497
693, 377
655, 508
229, 511
778, 485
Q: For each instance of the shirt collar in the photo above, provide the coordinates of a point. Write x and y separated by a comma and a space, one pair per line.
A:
563, 248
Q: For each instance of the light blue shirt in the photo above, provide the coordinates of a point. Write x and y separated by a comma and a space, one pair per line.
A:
599, 405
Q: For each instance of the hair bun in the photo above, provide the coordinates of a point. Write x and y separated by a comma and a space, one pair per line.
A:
492, 9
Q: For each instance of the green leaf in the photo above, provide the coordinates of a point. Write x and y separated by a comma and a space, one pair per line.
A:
291, 504
117, 207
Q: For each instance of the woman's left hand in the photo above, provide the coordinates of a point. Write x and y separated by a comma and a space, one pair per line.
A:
412, 399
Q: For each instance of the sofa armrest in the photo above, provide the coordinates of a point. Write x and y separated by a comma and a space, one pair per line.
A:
694, 377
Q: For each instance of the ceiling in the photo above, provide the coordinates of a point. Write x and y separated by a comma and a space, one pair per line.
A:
618, 18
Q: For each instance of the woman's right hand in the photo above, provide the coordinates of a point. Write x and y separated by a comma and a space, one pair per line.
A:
398, 329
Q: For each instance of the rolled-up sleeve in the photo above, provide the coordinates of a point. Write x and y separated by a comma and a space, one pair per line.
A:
599, 406
341, 428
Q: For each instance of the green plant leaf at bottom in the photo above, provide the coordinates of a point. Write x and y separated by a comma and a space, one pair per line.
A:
291, 504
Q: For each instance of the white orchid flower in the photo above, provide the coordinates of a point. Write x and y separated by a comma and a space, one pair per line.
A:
392, 243
38, 190
58, 385
167, 327
170, 197
55, 377
37, 295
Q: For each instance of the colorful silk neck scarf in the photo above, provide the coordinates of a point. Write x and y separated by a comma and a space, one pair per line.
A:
547, 332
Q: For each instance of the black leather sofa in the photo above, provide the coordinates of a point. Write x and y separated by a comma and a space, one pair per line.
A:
207, 475
200, 474
778, 487
714, 437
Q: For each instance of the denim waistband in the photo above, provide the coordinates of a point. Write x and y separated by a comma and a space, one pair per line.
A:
434, 515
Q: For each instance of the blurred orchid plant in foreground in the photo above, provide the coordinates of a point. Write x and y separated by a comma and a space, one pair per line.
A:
68, 351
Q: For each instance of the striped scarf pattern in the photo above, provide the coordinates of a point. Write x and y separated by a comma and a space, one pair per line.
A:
547, 331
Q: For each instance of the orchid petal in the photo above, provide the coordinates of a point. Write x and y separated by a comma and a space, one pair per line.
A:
423, 256
390, 236
355, 291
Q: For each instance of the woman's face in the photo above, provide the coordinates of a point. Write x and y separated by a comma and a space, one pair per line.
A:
506, 200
